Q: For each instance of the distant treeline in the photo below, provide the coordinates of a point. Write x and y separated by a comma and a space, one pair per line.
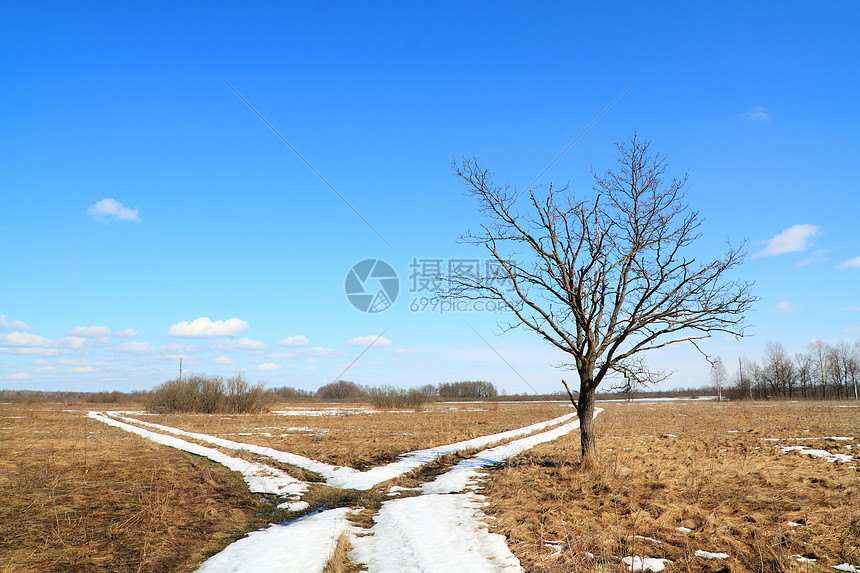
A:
824, 371
345, 390
211, 393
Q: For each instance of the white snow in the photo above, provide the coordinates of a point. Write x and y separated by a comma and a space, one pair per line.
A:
294, 505
841, 438
463, 474
651, 539
433, 534
802, 559
847, 567
636, 563
818, 453
259, 477
793, 524
437, 532
303, 546
709, 555
684, 529
350, 478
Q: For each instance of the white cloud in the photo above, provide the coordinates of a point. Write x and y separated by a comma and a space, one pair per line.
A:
74, 362
784, 306
74, 342
203, 327
39, 362
853, 329
311, 360
25, 340
758, 114
793, 239
19, 376
13, 325
90, 331
282, 355
368, 340
24, 350
308, 369
815, 257
298, 340
320, 351
241, 345
127, 333
134, 348
402, 352
850, 264
269, 366
82, 369
224, 360
112, 210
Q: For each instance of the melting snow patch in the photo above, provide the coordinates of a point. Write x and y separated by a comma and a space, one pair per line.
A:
302, 546
294, 505
433, 533
843, 438
259, 477
464, 474
818, 453
637, 563
709, 555
557, 547
802, 559
847, 567
651, 539
684, 529
793, 524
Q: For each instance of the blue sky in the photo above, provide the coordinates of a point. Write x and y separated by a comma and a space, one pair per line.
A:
147, 214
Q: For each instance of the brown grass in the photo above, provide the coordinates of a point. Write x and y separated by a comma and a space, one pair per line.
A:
339, 562
366, 439
78, 495
734, 490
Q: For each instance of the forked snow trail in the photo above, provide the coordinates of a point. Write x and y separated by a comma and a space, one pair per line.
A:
259, 477
351, 478
439, 531
433, 533
305, 546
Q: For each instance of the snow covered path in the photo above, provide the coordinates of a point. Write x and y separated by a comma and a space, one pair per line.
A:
351, 478
305, 545
438, 531
433, 533
259, 477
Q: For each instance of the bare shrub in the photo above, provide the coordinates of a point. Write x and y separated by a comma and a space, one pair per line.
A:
243, 397
340, 390
388, 397
206, 394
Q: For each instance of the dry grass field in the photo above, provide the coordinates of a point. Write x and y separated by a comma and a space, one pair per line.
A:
724, 477
78, 495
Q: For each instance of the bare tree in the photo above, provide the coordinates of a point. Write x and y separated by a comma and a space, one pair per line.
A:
603, 278
803, 367
718, 375
818, 351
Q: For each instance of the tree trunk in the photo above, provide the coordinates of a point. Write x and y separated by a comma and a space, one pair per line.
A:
585, 411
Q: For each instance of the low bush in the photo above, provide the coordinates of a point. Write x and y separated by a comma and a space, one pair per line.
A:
201, 393
390, 397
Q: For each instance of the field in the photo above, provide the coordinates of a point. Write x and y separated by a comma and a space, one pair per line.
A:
677, 478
